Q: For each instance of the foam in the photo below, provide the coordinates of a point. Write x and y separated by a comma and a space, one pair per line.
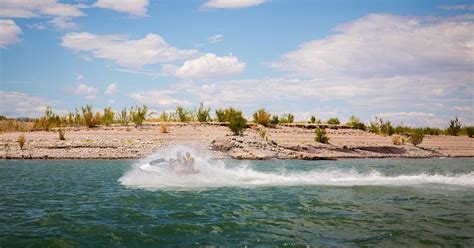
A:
215, 173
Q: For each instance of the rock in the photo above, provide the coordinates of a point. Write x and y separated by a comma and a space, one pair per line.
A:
222, 145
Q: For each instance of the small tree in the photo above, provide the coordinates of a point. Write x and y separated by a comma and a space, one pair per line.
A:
416, 136
21, 141
454, 127
470, 131
321, 136
261, 117
237, 122
203, 114
312, 119
334, 121
108, 117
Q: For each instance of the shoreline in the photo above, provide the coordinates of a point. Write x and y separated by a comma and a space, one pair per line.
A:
284, 142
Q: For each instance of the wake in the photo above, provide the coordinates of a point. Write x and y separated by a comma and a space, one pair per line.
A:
218, 174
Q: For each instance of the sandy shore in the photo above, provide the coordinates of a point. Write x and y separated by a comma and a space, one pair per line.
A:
120, 142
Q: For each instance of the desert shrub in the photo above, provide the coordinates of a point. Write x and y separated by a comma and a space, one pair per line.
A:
164, 128
203, 114
108, 117
97, 120
88, 116
334, 121
470, 131
220, 115
262, 133
312, 119
261, 117
416, 136
321, 136
356, 123
164, 117
237, 122
21, 141
61, 134
275, 120
454, 127
123, 117
396, 140
287, 118
138, 114
183, 115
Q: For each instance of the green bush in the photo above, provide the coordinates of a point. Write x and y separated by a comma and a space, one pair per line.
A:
237, 122
454, 127
108, 117
261, 117
138, 114
123, 117
470, 131
287, 118
164, 117
416, 136
356, 123
275, 120
220, 115
312, 119
321, 136
334, 121
183, 115
203, 114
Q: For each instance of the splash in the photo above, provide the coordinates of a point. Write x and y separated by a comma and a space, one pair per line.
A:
216, 173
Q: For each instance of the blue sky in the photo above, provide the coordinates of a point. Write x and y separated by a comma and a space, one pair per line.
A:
406, 61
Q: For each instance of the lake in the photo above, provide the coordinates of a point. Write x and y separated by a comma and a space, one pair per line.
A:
355, 202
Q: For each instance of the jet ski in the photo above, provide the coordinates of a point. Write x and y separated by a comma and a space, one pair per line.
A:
161, 165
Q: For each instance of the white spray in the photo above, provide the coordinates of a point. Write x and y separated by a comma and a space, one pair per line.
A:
215, 173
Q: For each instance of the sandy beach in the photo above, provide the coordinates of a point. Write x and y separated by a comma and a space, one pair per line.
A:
282, 142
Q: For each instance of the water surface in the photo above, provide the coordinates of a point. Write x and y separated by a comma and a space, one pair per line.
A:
379, 202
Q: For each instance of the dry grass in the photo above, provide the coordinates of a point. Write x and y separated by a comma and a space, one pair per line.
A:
16, 126
396, 140
61, 134
21, 141
164, 128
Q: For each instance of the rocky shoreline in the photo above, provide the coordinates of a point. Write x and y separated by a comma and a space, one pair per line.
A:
281, 142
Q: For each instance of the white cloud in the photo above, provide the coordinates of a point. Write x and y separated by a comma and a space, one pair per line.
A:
216, 38
231, 4
135, 8
210, 66
35, 8
417, 119
89, 91
125, 52
17, 104
63, 23
111, 89
157, 97
9, 32
79, 77
404, 114
386, 46
458, 7
38, 26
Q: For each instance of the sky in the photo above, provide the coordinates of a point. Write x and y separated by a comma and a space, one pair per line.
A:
410, 62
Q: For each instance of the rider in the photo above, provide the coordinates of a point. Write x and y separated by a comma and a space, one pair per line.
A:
189, 160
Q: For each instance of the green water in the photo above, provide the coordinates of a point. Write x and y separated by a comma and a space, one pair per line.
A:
382, 202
